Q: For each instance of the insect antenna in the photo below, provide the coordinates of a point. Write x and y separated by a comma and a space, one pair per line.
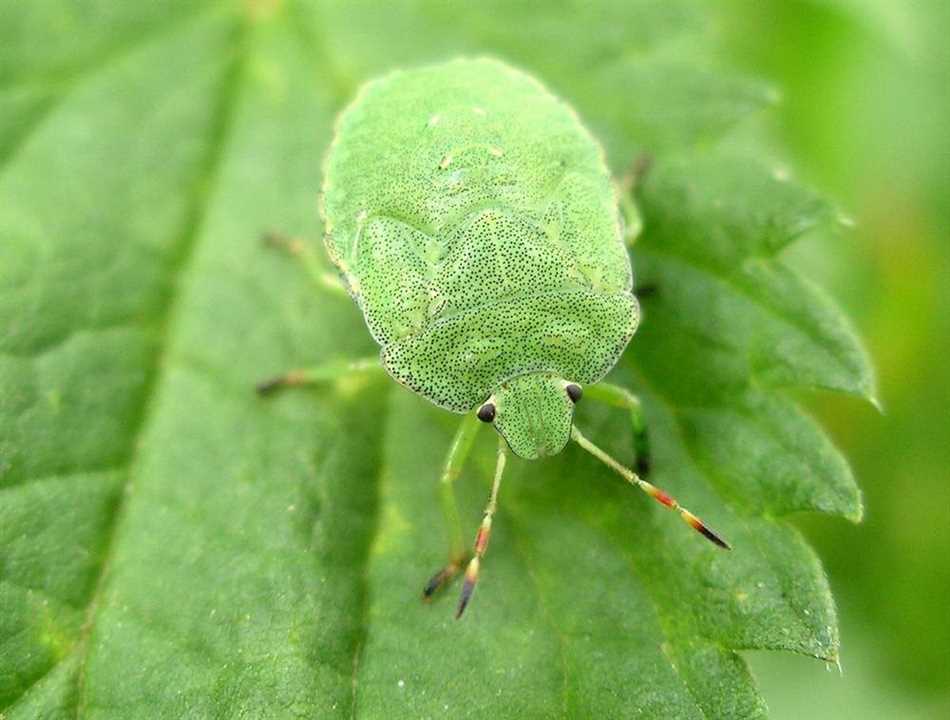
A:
484, 532
653, 491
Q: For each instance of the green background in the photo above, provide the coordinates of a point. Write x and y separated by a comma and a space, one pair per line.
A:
170, 547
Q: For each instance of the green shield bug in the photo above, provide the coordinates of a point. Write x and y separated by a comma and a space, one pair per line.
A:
472, 218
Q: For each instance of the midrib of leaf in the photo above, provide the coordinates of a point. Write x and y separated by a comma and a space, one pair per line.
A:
202, 190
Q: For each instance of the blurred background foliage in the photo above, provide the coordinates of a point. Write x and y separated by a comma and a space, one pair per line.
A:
865, 113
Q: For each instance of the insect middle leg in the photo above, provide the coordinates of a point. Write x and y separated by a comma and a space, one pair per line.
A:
632, 222
620, 397
454, 462
302, 251
327, 372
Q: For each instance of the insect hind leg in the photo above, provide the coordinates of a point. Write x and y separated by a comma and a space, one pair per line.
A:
301, 250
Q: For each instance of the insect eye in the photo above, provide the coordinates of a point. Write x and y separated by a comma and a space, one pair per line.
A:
574, 392
486, 413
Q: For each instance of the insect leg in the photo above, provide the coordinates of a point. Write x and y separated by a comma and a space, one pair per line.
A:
620, 397
320, 374
454, 462
654, 492
647, 290
626, 188
300, 249
630, 214
484, 532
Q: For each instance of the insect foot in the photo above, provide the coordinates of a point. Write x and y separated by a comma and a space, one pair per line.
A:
443, 577
272, 385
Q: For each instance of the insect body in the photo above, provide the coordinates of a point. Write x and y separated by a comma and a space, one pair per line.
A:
473, 219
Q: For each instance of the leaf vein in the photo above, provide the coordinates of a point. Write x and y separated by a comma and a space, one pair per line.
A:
187, 245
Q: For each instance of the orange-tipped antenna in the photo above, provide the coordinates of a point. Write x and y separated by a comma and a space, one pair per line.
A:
484, 533
652, 490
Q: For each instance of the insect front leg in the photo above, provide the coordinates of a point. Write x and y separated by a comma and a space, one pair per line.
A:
454, 462
302, 251
626, 190
620, 397
630, 214
320, 374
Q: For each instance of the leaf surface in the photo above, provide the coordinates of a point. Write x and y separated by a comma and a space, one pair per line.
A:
171, 546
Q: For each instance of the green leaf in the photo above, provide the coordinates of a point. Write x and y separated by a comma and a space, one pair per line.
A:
714, 227
171, 546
